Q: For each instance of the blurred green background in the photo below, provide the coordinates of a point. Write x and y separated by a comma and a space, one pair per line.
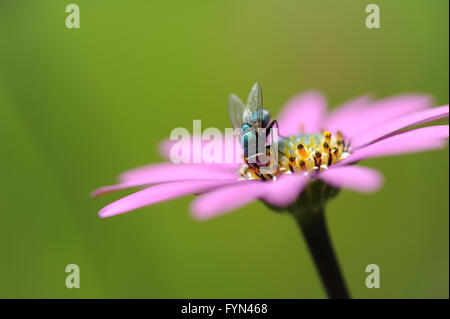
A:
79, 106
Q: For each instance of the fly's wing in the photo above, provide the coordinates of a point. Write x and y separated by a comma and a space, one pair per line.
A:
254, 112
236, 110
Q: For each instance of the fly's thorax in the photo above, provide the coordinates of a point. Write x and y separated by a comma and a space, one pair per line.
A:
256, 119
265, 118
251, 116
253, 140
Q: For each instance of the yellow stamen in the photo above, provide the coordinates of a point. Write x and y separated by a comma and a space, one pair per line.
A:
302, 151
327, 136
340, 138
327, 150
302, 164
318, 158
335, 152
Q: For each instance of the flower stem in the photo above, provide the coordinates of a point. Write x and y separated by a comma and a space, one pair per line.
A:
314, 229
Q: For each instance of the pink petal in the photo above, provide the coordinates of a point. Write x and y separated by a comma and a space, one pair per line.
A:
400, 123
421, 139
303, 113
359, 115
226, 199
230, 152
159, 193
167, 172
340, 115
281, 192
286, 189
357, 178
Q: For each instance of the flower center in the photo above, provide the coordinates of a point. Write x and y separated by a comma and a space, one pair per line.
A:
305, 153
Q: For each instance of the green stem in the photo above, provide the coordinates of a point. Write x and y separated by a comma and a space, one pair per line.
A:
314, 229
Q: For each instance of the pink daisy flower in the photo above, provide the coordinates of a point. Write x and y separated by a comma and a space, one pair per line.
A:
357, 130
316, 157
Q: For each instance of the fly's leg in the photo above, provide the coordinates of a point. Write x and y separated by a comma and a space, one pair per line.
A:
274, 123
